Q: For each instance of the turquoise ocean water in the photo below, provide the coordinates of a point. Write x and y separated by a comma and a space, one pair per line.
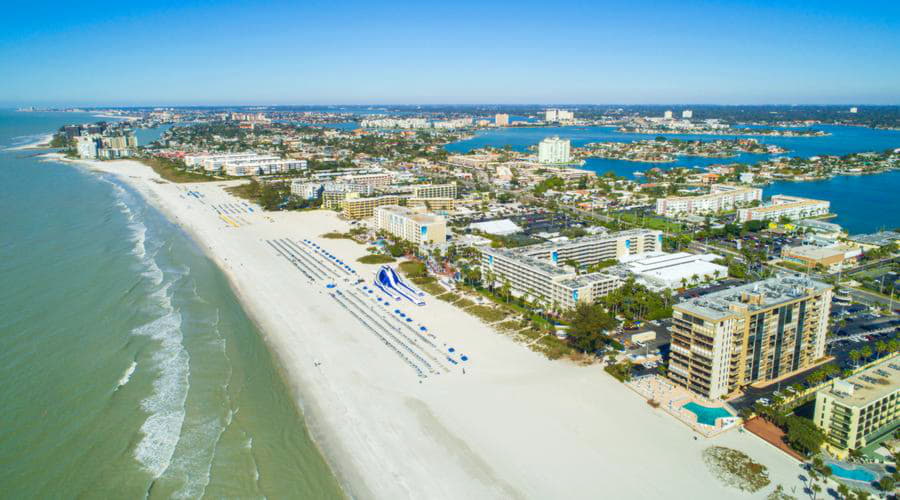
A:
129, 369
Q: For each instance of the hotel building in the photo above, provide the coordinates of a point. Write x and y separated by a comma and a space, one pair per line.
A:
539, 270
554, 150
558, 115
860, 410
782, 205
501, 119
413, 225
434, 204
434, 191
752, 333
720, 197
360, 208
374, 180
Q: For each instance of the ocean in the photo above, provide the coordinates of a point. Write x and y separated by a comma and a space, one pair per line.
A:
863, 203
129, 368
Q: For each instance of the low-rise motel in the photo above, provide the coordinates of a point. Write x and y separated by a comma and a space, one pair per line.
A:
411, 224
539, 271
861, 410
763, 331
721, 197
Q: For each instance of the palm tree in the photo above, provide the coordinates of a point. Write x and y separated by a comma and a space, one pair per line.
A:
694, 278
866, 352
683, 282
881, 347
854, 356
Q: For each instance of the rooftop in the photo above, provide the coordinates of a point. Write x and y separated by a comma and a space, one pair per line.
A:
867, 386
881, 238
755, 296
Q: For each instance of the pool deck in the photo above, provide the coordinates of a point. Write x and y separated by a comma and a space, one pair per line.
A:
672, 398
770, 433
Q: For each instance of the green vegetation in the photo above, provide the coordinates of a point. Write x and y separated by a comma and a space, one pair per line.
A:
636, 302
59, 141
448, 297
554, 183
375, 259
486, 313
621, 371
432, 288
736, 469
413, 269
174, 171
587, 330
464, 303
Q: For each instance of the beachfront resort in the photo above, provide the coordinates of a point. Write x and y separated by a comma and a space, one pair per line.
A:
442, 268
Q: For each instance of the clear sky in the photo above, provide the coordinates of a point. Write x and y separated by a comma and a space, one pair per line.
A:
314, 52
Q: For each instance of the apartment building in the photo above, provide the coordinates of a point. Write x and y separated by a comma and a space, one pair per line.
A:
434, 204
261, 166
752, 333
554, 150
214, 162
860, 410
558, 115
501, 119
413, 225
434, 191
539, 271
721, 197
355, 207
374, 180
782, 205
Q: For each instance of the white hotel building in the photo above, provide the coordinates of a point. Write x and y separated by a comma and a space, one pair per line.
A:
782, 205
539, 270
415, 226
720, 197
554, 150
242, 164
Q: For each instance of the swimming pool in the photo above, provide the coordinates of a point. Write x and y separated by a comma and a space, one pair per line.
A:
852, 474
705, 414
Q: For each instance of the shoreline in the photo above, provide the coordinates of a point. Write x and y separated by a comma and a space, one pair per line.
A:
42, 143
515, 426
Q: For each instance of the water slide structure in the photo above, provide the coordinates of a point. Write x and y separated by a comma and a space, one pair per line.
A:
388, 281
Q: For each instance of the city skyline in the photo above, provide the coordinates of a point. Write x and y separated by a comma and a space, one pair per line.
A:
355, 53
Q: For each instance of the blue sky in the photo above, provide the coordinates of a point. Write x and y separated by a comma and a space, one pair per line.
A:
314, 52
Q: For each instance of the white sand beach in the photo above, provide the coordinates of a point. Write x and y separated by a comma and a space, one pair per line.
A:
514, 425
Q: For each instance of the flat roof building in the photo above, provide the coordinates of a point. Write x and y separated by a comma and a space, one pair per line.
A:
858, 411
721, 197
781, 205
554, 150
360, 208
434, 191
659, 271
413, 225
762, 331
830, 257
541, 273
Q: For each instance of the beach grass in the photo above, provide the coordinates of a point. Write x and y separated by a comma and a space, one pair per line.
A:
736, 469
169, 171
487, 314
375, 259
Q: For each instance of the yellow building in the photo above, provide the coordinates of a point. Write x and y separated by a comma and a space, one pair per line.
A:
360, 208
860, 410
763, 331
413, 225
442, 204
